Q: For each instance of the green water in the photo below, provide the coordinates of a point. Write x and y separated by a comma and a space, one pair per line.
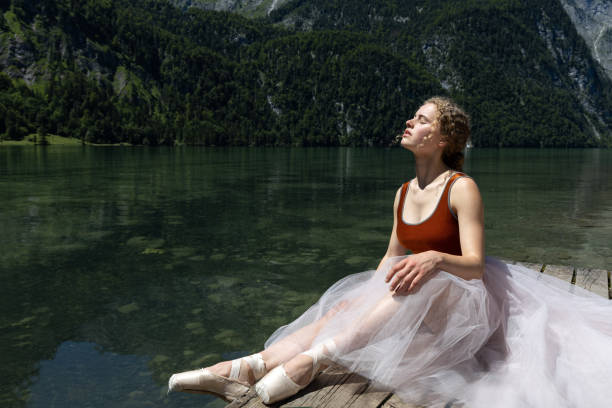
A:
120, 266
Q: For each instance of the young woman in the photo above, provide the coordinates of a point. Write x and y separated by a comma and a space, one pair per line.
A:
426, 325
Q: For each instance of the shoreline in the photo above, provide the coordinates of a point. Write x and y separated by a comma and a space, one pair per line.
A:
55, 140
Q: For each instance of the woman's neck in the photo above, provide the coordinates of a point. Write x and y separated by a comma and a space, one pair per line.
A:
428, 169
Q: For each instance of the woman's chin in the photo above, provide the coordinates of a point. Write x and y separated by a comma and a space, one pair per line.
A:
405, 143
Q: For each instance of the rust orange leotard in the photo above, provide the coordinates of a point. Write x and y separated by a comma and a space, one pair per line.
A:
439, 232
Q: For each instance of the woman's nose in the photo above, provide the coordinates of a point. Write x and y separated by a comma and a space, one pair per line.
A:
409, 123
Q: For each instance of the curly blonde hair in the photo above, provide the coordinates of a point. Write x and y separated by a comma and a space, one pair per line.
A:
454, 125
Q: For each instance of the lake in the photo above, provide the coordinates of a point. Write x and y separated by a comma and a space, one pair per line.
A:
123, 265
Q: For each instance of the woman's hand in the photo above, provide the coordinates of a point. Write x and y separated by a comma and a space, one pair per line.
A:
412, 271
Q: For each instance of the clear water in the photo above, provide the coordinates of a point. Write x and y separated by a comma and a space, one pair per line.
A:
120, 266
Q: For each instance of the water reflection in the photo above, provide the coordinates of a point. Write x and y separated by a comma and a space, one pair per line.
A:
121, 266
83, 374
537, 202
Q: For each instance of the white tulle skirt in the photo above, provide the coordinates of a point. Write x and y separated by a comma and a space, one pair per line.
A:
516, 339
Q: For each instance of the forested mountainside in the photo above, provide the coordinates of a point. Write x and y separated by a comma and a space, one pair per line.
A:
304, 72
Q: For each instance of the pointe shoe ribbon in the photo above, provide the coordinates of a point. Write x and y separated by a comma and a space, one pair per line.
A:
255, 361
228, 388
277, 385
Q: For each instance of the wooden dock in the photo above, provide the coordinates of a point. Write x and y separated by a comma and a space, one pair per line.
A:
334, 388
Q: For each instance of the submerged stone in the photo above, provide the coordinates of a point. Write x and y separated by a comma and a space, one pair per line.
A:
160, 358
229, 338
206, 360
193, 325
197, 258
217, 257
145, 242
155, 251
356, 260
129, 308
182, 252
223, 282
24, 321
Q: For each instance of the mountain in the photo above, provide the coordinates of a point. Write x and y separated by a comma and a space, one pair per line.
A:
593, 21
297, 72
522, 60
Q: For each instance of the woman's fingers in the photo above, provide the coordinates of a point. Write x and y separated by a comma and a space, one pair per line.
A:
397, 280
405, 276
406, 284
414, 283
397, 273
395, 268
397, 276
402, 281
401, 289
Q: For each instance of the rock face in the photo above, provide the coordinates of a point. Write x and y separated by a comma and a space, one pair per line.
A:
248, 7
593, 21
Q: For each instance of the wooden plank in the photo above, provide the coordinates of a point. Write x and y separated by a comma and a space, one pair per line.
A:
565, 273
535, 266
373, 398
594, 280
248, 400
335, 388
396, 402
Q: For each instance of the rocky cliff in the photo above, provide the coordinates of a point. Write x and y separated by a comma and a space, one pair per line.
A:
593, 21
253, 8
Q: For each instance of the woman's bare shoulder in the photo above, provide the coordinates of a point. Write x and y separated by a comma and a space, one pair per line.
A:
464, 189
398, 193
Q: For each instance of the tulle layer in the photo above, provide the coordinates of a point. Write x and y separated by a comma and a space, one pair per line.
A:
516, 339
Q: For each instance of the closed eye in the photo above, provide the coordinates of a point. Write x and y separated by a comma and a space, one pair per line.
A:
422, 119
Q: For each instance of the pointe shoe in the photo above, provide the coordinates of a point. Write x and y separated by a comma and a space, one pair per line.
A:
203, 381
277, 385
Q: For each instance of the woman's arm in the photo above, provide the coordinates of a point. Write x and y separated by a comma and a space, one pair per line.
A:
394, 248
465, 200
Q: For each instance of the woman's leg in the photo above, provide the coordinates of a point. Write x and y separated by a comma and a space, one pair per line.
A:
359, 334
281, 351
299, 366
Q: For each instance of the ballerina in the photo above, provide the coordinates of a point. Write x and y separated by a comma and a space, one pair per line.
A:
441, 323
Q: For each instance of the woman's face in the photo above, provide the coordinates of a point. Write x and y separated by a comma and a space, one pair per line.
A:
421, 132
